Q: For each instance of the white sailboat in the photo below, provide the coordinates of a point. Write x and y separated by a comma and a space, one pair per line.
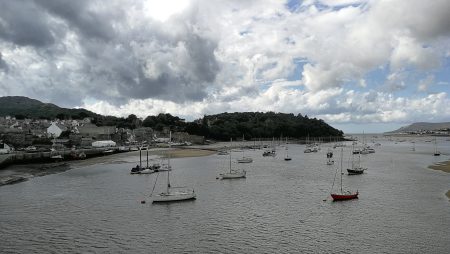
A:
233, 173
174, 193
244, 159
436, 152
287, 157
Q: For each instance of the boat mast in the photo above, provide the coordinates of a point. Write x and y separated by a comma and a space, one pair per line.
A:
168, 162
342, 156
353, 155
140, 157
230, 162
435, 145
359, 160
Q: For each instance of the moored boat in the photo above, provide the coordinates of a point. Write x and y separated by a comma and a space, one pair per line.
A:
173, 194
233, 173
342, 195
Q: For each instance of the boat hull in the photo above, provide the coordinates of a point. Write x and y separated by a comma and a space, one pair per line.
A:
232, 176
174, 196
246, 160
355, 171
344, 196
147, 171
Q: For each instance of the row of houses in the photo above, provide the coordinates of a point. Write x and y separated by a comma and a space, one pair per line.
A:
445, 132
81, 133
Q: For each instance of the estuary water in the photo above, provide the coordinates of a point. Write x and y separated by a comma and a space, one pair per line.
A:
278, 208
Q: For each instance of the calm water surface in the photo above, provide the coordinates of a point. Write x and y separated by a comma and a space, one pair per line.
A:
279, 208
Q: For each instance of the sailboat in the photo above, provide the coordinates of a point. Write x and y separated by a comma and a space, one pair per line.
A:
270, 152
356, 167
287, 158
244, 159
148, 169
174, 193
330, 160
138, 168
436, 152
223, 152
342, 195
233, 173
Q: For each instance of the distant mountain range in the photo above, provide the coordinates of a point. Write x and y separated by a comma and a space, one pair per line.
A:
423, 126
20, 106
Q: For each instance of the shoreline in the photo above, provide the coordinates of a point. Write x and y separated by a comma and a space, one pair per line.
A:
441, 166
23, 172
444, 167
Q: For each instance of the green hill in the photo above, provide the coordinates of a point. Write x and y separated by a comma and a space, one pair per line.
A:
20, 107
254, 125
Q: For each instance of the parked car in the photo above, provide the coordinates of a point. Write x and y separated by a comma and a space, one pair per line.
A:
31, 149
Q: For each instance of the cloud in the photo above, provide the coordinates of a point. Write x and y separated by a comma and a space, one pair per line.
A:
22, 23
3, 65
343, 60
424, 84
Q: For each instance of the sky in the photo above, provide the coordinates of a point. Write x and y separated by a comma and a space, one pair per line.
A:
369, 66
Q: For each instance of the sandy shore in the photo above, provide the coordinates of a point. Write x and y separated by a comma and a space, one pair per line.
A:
181, 153
443, 166
19, 173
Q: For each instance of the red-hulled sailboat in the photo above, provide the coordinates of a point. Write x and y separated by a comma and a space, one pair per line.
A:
342, 195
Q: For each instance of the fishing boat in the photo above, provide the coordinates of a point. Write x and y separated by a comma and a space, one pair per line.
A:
173, 194
138, 168
341, 194
233, 173
148, 169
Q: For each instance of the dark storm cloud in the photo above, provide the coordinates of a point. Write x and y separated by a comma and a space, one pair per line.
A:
204, 63
24, 24
187, 84
88, 23
107, 59
3, 65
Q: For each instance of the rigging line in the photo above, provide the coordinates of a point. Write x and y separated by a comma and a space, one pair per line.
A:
154, 184
332, 186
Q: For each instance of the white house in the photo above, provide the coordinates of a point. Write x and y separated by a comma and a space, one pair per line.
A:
4, 148
55, 129
103, 143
